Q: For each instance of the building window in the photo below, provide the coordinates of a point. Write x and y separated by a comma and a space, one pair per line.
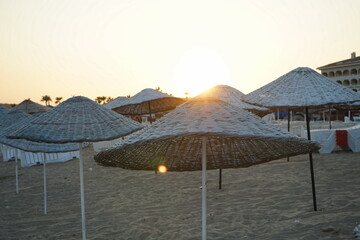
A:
331, 74
346, 73
338, 73
354, 82
354, 90
339, 82
346, 83
325, 74
353, 71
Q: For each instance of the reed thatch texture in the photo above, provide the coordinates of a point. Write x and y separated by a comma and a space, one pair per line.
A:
31, 107
12, 117
77, 119
233, 96
301, 87
148, 101
235, 138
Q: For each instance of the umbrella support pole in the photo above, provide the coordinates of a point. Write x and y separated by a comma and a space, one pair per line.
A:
203, 188
311, 160
288, 125
220, 178
83, 223
330, 117
45, 195
16, 173
150, 113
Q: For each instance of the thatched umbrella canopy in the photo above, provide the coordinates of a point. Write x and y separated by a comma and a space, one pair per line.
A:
79, 120
204, 134
31, 107
233, 96
11, 117
237, 139
76, 120
114, 103
15, 120
3, 111
302, 88
148, 101
18, 120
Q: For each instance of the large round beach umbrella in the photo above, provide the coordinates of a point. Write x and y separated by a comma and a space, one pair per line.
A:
31, 107
204, 134
19, 119
147, 101
77, 120
302, 88
233, 96
114, 103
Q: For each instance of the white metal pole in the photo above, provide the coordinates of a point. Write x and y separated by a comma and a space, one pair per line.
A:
82, 194
16, 171
45, 195
203, 188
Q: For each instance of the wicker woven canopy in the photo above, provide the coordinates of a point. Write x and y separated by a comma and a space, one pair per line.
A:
302, 87
147, 101
114, 103
77, 119
31, 107
232, 96
30, 146
236, 138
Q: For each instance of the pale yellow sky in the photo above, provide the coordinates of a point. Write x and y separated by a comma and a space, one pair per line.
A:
113, 48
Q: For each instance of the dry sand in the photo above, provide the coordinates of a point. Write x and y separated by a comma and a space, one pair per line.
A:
268, 201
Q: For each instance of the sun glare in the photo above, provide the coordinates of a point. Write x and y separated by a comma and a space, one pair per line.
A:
162, 169
199, 69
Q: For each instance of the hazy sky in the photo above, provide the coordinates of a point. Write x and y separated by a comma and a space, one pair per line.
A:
113, 48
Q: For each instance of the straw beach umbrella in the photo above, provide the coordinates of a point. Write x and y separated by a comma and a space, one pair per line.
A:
77, 120
31, 107
148, 101
204, 134
114, 103
302, 88
30, 146
232, 96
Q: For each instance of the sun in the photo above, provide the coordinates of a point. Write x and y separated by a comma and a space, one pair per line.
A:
199, 69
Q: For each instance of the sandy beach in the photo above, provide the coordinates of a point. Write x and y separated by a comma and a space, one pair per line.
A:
268, 201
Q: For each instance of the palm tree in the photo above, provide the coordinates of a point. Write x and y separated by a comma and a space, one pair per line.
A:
98, 100
187, 94
46, 99
108, 99
58, 100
